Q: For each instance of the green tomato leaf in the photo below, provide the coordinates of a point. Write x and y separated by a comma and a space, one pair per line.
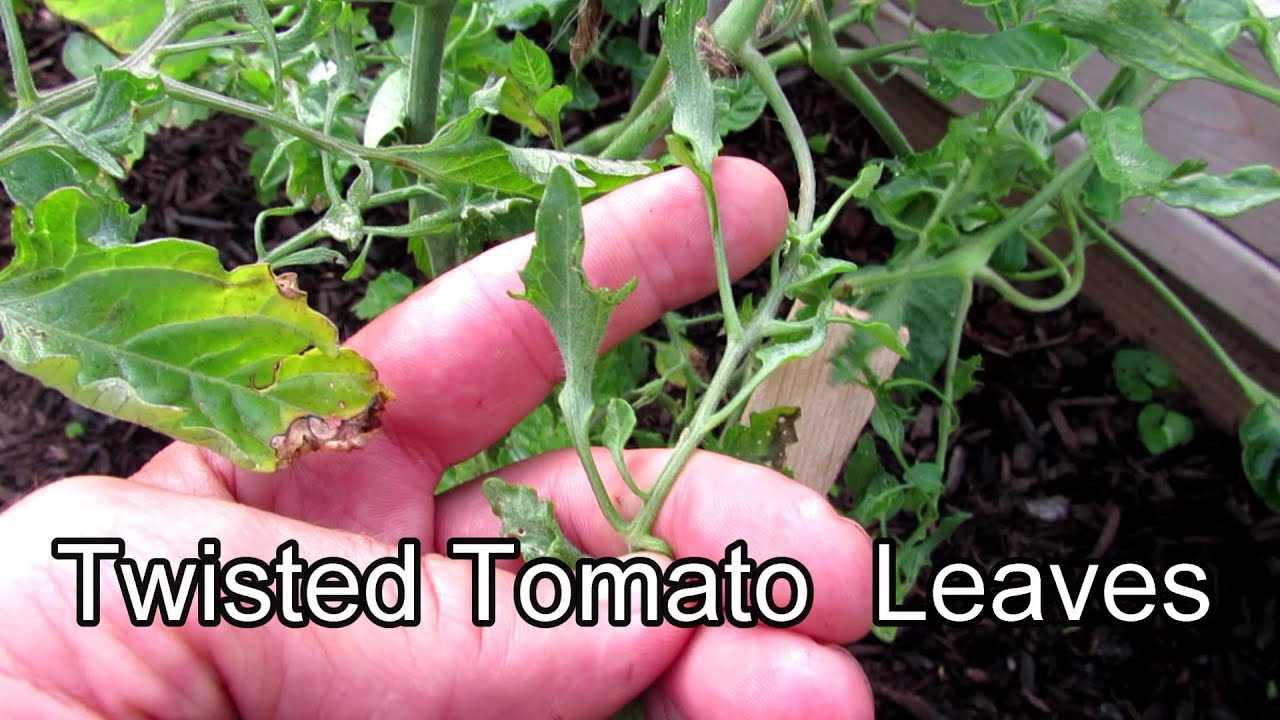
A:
530, 520
928, 310
739, 103
556, 284
622, 369
158, 333
987, 66
112, 120
83, 56
517, 104
695, 102
863, 468
1120, 150
124, 24
387, 108
1220, 19
1139, 33
525, 171
260, 19
1260, 450
1227, 195
762, 440
619, 424
966, 378
32, 175
1162, 429
86, 146
523, 13
383, 293
530, 65
811, 331
550, 103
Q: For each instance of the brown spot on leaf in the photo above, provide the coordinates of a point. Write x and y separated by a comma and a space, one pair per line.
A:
311, 432
287, 284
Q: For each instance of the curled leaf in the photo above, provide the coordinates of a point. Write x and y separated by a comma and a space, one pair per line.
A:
529, 519
1260, 451
160, 334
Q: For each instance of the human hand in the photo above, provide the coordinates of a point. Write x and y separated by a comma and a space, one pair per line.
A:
466, 362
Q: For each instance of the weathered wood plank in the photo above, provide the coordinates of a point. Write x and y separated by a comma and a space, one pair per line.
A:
832, 415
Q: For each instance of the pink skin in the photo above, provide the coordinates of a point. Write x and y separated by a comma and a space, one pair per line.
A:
466, 362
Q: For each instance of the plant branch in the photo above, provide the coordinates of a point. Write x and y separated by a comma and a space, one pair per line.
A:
825, 59
22, 82
68, 96
430, 27
946, 416
765, 77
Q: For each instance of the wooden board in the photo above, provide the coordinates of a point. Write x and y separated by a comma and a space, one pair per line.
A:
832, 414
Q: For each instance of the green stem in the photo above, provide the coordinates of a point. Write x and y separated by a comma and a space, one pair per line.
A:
641, 133
736, 25
216, 101
315, 232
731, 32
760, 70
795, 53
1069, 290
946, 415
649, 91
1255, 393
22, 82
430, 28
706, 416
827, 62
582, 444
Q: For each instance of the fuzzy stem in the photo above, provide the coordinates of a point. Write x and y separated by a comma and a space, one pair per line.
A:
946, 415
22, 82
430, 26
825, 58
68, 96
764, 75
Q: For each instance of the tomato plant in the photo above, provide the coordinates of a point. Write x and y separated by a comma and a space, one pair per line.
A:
159, 333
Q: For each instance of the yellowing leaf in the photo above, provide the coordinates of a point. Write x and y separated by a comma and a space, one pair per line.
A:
160, 334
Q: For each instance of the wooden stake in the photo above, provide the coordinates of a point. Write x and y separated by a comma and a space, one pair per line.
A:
832, 415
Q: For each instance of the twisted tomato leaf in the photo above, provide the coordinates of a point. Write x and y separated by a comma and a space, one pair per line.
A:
160, 334
988, 66
556, 284
531, 520
1139, 33
694, 118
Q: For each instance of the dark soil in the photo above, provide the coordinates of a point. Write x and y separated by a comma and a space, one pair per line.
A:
1046, 460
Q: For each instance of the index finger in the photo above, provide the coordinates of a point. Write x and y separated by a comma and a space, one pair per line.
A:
467, 361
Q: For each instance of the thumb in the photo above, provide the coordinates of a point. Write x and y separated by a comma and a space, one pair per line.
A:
445, 666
